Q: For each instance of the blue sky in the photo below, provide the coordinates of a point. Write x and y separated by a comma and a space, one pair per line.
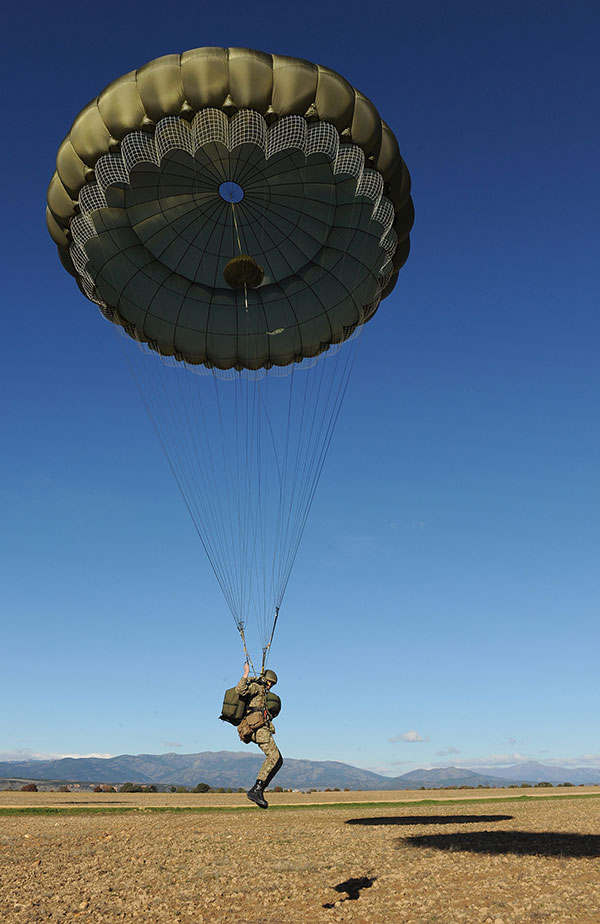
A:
444, 604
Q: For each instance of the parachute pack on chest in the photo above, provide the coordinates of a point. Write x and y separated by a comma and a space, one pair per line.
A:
235, 707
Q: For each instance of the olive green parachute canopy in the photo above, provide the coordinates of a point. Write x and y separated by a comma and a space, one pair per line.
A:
240, 216
177, 170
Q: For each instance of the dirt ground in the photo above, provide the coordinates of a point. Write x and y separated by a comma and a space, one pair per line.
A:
503, 862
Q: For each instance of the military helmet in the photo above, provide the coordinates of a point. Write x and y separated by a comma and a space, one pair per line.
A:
270, 675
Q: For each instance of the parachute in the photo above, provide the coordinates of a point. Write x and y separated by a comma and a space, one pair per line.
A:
237, 216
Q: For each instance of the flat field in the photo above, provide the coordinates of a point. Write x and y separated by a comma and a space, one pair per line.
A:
366, 858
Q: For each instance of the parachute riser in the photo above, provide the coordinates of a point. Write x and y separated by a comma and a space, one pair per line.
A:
247, 658
266, 649
265, 653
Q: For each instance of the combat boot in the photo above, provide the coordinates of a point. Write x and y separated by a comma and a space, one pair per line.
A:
256, 794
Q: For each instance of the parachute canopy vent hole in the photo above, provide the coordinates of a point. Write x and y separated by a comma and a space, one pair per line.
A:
231, 192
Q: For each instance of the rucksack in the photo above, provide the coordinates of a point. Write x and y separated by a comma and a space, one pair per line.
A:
234, 707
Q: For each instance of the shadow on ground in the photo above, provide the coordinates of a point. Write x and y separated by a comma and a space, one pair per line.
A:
426, 819
535, 843
353, 889
91, 802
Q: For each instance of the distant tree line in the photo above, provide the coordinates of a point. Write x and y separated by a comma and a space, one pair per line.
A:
508, 786
205, 787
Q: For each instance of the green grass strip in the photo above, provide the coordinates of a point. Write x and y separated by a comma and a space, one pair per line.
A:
215, 809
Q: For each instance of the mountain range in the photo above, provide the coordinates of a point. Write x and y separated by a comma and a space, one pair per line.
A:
533, 771
231, 769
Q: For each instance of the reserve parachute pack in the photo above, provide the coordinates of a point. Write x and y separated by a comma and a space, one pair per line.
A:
273, 704
234, 706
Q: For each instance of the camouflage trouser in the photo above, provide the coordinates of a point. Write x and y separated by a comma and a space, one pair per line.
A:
273, 759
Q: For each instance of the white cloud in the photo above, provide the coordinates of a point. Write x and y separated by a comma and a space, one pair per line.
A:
496, 760
414, 524
445, 751
407, 524
172, 744
585, 760
507, 760
21, 754
410, 736
390, 768
382, 769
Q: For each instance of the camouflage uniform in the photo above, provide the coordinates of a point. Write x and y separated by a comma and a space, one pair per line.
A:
254, 694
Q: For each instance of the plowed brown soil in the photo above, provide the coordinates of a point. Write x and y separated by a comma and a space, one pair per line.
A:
502, 862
